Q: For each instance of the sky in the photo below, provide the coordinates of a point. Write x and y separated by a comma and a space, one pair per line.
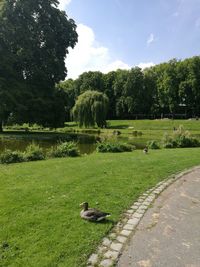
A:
123, 34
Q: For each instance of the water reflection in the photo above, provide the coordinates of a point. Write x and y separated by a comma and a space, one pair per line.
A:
16, 141
86, 142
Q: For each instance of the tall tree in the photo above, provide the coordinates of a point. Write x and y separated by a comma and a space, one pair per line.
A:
90, 80
34, 40
91, 108
108, 81
68, 90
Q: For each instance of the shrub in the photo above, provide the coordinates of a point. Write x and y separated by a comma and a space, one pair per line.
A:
153, 144
9, 156
136, 133
113, 147
65, 149
24, 127
66, 130
34, 152
180, 138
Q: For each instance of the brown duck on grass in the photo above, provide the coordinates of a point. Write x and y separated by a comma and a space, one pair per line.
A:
91, 214
145, 150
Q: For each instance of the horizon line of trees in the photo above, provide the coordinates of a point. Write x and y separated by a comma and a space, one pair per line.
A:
171, 88
35, 37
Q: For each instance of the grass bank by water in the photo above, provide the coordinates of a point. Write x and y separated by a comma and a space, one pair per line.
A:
39, 202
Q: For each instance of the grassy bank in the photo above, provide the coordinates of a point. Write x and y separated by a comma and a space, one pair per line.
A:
39, 202
150, 129
136, 132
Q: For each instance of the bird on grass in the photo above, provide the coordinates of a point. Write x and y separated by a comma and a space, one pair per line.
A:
145, 150
91, 214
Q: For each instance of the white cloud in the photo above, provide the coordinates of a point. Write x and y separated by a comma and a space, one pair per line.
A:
150, 39
115, 65
63, 4
89, 55
144, 65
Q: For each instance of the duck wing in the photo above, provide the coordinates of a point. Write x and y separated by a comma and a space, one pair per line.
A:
94, 215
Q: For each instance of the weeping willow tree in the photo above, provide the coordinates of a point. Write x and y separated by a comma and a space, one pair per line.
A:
91, 108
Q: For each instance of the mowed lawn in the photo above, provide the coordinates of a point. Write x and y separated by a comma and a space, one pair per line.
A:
39, 202
155, 129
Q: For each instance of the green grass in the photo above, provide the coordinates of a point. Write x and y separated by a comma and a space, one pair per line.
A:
39, 202
151, 130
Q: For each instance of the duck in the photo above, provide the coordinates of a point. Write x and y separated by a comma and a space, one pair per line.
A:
145, 150
91, 214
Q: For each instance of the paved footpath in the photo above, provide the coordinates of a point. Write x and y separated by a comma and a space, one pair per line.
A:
169, 233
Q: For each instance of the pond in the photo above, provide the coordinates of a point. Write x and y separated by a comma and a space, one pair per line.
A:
86, 142
19, 141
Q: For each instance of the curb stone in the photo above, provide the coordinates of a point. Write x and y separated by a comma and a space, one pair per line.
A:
109, 250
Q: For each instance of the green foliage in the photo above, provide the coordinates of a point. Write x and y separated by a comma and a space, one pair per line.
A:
167, 89
25, 127
137, 133
65, 149
114, 147
34, 39
90, 109
9, 156
180, 138
153, 144
34, 152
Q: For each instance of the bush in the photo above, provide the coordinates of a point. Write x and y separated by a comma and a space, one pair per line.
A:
153, 144
66, 130
24, 127
114, 147
180, 138
136, 133
34, 152
9, 156
66, 149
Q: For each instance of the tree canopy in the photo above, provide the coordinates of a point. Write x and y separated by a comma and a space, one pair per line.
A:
34, 39
91, 108
167, 89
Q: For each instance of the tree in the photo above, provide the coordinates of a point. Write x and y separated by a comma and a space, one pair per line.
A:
130, 92
91, 107
108, 81
189, 87
34, 40
68, 90
90, 80
151, 94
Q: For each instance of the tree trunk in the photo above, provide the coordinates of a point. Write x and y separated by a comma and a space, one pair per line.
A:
1, 126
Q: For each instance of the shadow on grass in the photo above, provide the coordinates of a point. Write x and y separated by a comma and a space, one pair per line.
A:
105, 221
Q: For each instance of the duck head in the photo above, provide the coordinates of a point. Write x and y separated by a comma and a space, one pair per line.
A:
84, 205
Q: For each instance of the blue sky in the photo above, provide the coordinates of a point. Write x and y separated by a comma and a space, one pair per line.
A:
126, 33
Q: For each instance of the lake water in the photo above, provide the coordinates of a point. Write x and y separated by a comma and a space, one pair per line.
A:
16, 141
86, 142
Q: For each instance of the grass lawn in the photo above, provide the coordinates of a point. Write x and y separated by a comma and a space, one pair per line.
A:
150, 128
155, 129
39, 202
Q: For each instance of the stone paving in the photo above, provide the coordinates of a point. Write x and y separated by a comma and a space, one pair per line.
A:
111, 247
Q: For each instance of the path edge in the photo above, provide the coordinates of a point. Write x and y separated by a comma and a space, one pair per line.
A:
111, 247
